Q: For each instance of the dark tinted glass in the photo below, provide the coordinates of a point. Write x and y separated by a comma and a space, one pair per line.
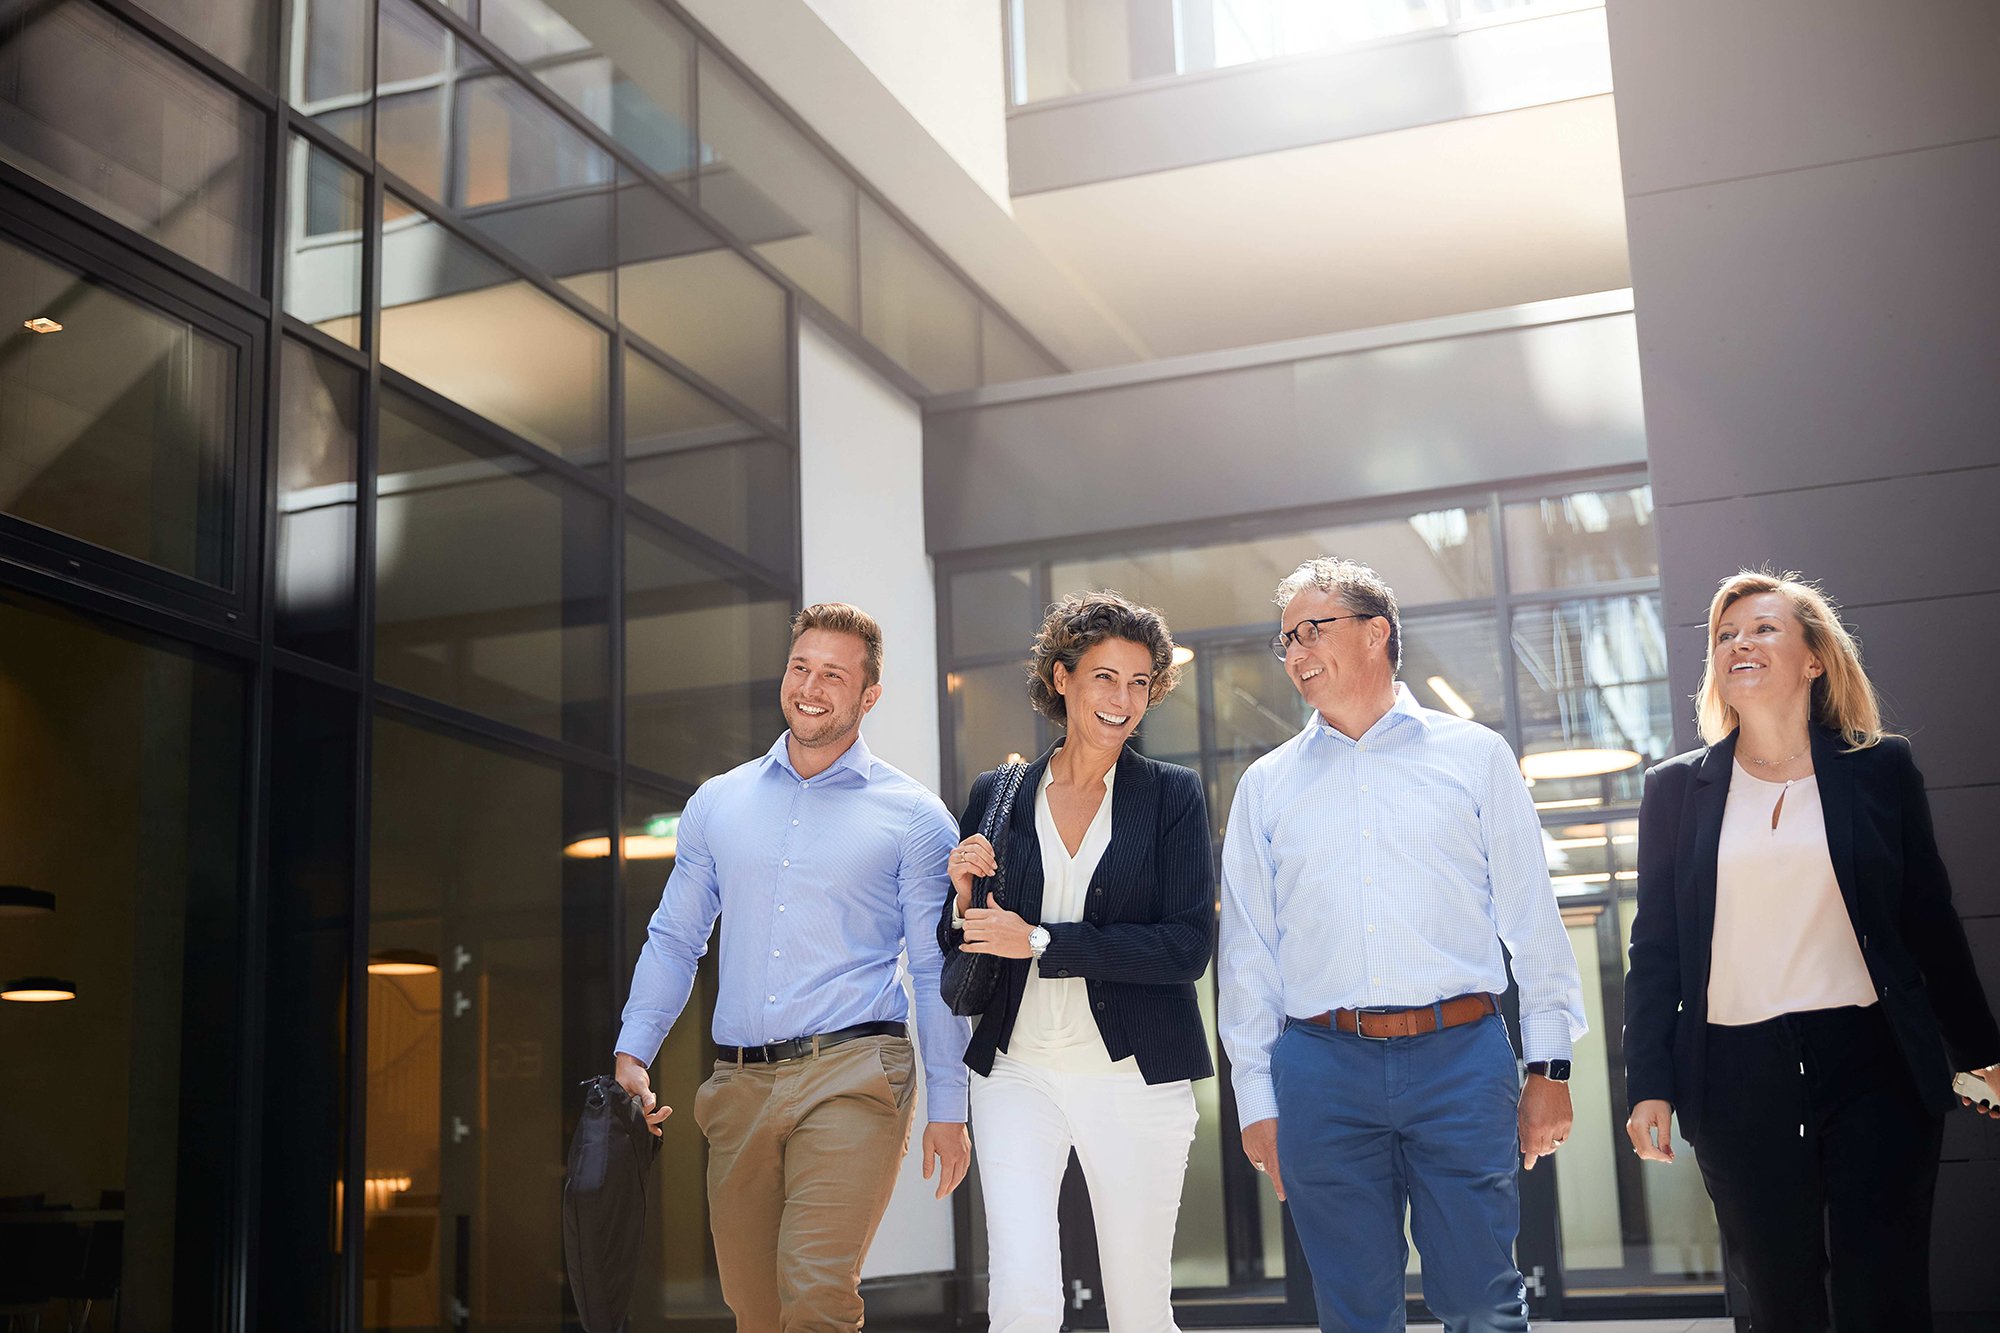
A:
239, 33
924, 318
320, 410
460, 324
990, 721
324, 239
692, 459
333, 65
703, 653
491, 579
993, 611
118, 425
103, 114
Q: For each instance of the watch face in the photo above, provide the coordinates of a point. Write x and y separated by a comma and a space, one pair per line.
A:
1559, 1071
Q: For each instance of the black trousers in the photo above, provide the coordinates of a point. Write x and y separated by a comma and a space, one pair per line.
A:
1822, 1163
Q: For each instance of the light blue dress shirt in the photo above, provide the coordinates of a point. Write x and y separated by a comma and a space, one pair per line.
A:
1385, 873
820, 882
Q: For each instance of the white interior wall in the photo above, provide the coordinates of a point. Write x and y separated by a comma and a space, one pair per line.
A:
862, 535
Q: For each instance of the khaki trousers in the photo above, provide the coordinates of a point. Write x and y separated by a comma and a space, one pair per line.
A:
802, 1157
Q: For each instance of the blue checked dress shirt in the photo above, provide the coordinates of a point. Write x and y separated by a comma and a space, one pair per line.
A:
820, 883
1385, 873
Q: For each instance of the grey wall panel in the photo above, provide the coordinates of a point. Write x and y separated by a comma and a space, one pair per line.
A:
1966, 818
1941, 527
1963, 1274
1830, 324
1452, 412
1859, 78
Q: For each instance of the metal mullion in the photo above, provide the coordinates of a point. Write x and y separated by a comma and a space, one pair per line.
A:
1586, 592
728, 563
850, 337
305, 127
1556, 484
144, 616
325, 344
311, 668
615, 640
189, 51
678, 788
1503, 611
493, 433
503, 735
721, 395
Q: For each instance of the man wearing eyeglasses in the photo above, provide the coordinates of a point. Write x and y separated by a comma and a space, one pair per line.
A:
1374, 866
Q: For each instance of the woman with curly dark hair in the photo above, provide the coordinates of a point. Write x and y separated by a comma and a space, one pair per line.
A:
1106, 915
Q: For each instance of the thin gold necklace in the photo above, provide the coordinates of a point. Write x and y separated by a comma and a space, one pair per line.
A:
1779, 808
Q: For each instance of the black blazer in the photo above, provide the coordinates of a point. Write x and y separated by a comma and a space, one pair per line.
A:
1885, 857
1148, 927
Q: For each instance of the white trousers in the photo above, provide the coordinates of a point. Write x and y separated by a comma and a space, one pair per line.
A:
1132, 1140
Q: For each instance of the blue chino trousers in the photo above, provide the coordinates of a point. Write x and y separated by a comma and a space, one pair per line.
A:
1366, 1128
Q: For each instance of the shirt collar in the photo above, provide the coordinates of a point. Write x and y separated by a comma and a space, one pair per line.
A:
1404, 710
857, 758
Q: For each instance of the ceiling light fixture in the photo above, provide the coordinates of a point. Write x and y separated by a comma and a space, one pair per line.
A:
1183, 654
20, 900
41, 324
402, 963
38, 990
1452, 698
1553, 764
1576, 803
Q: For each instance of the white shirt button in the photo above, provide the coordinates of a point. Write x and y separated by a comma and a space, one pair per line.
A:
1364, 787
795, 823
1367, 879
1374, 981
1364, 833
772, 998
1361, 745
788, 860
781, 907
1371, 930
805, 782
777, 953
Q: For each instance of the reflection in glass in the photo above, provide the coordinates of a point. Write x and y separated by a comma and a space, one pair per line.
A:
700, 302
457, 322
692, 459
1593, 675
333, 65
703, 653
1452, 663
319, 412
470, 1067
993, 611
776, 191
1583, 537
121, 773
529, 30
491, 579
1587, 1174
913, 308
97, 110
1443, 555
990, 720
237, 32
323, 243
643, 100
117, 426
1256, 710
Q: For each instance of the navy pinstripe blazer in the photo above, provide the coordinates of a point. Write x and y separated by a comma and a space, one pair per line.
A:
1148, 928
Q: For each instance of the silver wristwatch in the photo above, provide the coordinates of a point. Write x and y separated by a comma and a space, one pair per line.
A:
1038, 940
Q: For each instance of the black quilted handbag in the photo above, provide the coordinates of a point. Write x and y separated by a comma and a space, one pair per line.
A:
970, 979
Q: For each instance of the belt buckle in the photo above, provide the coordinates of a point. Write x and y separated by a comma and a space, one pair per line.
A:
1362, 1033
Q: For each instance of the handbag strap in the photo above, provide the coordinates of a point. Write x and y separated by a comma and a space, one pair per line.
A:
999, 812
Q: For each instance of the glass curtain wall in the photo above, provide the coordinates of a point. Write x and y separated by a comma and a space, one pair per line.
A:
398, 520
1536, 613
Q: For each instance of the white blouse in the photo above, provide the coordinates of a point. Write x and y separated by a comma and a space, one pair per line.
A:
1783, 941
1054, 1028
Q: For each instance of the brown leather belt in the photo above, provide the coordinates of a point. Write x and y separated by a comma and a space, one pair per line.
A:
1380, 1025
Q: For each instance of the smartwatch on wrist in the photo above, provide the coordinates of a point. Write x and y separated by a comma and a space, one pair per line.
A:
1556, 1071
1038, 940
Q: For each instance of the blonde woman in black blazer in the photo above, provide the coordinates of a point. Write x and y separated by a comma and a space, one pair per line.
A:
1106, 914
1801, 990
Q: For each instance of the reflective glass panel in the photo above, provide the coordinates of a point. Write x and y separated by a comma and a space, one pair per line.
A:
1591, 677
324, 239
914, 309
1256, 710
1006, 356
529, 30
764, 181
457, 322
643, 99
1452, 663
990, 720
477, 1038
1443, 555
702, 303
693, 460
993, 611
100, 112
319, 417
703, 653
412, 112
239, 33
333, 65
1583, 537
118, 425
491, 579
121, 781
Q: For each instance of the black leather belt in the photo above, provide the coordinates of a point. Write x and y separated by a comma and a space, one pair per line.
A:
772, 1052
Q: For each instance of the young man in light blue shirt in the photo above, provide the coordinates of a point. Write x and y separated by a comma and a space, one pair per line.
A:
824, 863
1373, 868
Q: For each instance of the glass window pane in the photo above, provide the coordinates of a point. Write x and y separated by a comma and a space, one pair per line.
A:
1256, 710
99, 111
117, 424
1452, 663
458, 323
491, 579
990, 720
1592, 676
1005, 356
1584, 537
682, 289
1443, 555
703, 655
236, 32
333, 65
324, 234
993, 611
643, 100
414, 47
529, 30
764, 181
122, 764
474, 1050
693, 460
914, 309
320, 407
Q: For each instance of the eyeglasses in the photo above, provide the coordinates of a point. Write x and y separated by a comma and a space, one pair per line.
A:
1306, 633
